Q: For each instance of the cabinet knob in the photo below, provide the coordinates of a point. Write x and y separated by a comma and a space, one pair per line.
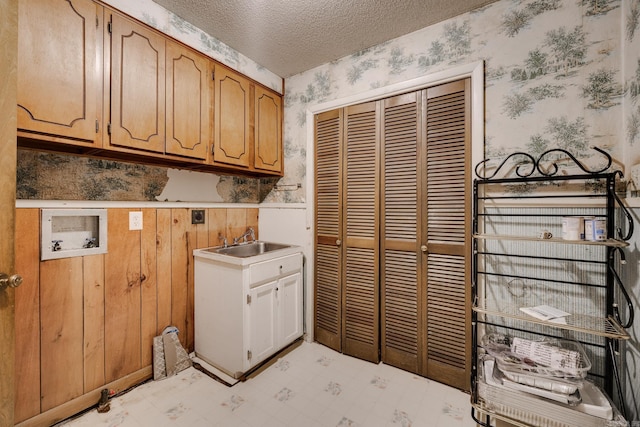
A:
423, 248
338, 242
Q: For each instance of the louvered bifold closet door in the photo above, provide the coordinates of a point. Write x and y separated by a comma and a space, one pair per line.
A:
401, 286
329, 229
361, 337
448, 239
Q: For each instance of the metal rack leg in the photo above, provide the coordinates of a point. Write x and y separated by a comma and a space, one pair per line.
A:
616, 373
487, 423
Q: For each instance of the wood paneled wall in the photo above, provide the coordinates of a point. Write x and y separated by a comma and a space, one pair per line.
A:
84, 323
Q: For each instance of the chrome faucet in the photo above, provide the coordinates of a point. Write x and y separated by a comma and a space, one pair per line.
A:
248, 233
224, 240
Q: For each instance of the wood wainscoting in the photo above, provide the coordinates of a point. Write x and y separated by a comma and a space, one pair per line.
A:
87, 323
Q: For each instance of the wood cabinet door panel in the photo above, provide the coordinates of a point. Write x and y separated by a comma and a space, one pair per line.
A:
232, 118
137, 86
188, 102
268, 133
59, 76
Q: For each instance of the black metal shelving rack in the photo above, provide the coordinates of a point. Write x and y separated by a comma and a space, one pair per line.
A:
598, 188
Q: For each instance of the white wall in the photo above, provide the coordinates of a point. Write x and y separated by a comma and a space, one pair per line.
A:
290, 224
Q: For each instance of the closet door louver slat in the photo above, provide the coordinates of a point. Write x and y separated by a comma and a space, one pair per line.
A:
328, 290
361, 299
448, 215
400, 308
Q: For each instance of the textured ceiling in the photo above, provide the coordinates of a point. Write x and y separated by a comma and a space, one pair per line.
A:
291, 36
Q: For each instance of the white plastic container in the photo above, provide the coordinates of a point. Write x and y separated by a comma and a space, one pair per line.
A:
548, 358
573, 228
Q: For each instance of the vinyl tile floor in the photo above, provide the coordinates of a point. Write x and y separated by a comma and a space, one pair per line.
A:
312, 386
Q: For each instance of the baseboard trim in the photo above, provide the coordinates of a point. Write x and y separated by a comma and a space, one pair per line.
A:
86, 401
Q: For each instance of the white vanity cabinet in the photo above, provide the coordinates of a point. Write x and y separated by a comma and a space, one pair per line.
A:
246, 309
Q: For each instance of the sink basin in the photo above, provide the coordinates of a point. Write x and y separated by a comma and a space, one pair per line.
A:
246, 250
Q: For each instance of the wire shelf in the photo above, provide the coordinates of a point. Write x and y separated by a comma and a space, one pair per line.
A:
609, 242
600, 326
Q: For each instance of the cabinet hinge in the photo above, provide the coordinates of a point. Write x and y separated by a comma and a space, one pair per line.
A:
97, 126
249, 354
213, 148
213, 75
109, 29
97, 21
248, 299
109, 128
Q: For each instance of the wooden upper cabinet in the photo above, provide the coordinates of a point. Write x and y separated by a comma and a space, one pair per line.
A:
189, 119
137, 86
60, 70
268, 131
233, 139
93, 81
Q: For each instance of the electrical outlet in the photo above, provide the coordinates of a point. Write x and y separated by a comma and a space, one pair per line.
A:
135, 220
197, 216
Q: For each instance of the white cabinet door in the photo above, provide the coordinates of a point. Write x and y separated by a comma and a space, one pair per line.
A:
262, 322
290, 308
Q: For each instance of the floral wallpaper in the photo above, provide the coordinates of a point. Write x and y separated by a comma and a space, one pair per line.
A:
46, 176
556, 76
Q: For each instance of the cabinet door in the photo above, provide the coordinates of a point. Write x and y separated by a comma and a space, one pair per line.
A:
189, 86
59, 69
448, 221
402, 286
289, 309
232, 119
268, 133
361, 260
262, 322
137, 86
329, 228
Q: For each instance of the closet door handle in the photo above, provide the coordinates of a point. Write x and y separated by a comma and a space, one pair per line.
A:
423, 248
338, 242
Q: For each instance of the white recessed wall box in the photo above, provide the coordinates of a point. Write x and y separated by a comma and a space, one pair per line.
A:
73, 232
